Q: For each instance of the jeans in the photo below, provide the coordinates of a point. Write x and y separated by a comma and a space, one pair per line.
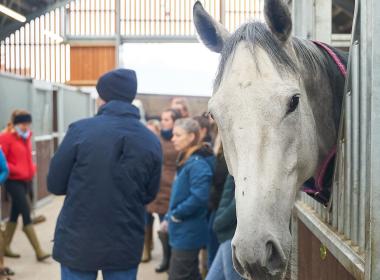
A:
222, 267
71, 274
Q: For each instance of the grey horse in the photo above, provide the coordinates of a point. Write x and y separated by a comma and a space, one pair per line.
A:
277, 102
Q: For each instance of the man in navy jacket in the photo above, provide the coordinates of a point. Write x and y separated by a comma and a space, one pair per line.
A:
109, 167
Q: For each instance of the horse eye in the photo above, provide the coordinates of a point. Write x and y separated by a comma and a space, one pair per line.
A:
293, 104
210, 115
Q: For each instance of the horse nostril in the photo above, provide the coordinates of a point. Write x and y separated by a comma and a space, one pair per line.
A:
275, 258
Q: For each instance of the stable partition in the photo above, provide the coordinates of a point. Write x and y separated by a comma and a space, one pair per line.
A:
53, 108
348, 229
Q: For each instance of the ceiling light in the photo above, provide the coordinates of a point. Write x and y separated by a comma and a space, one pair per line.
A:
12, 13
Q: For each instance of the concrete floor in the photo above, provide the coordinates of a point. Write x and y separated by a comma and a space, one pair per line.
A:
27, 268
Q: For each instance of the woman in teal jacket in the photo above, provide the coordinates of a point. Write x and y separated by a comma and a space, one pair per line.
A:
3, 168
187, 215
4, 172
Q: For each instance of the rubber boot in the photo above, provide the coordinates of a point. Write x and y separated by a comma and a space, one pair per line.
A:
31, 234
8, 236
203, 263
166, 252
148, 236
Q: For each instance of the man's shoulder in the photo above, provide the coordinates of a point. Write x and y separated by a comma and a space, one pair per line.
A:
83, 122
83, 125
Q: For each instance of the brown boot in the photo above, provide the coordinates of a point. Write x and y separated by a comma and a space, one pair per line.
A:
31, 234
148, 237
8, 236
203, 263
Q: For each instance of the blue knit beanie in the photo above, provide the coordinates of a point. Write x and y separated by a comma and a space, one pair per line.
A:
119, 84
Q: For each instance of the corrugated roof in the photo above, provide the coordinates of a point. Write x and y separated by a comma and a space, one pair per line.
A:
28, 8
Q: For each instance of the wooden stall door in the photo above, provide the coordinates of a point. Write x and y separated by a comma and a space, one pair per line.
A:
5, 203
310, 264
87, 63
44, 154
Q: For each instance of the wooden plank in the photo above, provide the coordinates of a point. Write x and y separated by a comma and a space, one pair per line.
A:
310, 263
87, 63
44, 154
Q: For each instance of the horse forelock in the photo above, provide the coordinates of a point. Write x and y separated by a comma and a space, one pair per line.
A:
257, 35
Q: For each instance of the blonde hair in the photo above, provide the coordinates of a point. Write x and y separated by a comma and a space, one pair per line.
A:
183, 102
155, 124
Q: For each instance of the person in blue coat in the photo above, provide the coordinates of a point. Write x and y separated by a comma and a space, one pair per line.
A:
187, 214
109, 168
4, 171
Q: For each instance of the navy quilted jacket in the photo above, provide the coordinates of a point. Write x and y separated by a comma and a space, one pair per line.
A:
108, 167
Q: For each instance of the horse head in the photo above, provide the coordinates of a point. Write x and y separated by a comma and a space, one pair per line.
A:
264, 106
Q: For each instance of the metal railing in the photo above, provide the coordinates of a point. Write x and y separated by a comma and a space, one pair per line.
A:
346, 221
152, 18
37, 51
347, 215
90, 17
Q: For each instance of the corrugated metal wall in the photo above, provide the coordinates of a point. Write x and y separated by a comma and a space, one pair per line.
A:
52, 109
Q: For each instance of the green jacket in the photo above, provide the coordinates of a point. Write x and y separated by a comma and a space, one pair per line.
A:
225, 217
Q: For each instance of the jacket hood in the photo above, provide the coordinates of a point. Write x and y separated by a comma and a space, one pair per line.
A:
119, 108
205, 151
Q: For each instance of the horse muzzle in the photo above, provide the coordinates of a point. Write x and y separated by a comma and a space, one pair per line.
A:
264, 261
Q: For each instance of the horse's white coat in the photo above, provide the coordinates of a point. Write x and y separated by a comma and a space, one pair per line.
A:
270, 153
270, 150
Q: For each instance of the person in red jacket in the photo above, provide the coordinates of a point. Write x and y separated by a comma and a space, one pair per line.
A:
17, 147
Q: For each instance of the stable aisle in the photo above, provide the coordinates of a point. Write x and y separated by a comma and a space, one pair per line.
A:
27, 268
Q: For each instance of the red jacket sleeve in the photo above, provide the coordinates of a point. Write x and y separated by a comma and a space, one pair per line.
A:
5, 146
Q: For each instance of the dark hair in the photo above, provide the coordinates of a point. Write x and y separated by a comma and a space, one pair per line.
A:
203, 121
173, 113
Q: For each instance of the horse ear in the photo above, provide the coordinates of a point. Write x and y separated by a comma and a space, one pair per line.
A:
211, 32
278, 18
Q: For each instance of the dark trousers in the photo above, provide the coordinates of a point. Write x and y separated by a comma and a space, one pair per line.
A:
184, 265
19, 192
213, 244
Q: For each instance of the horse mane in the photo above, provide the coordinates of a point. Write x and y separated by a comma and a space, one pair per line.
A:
310, 60
257, 34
